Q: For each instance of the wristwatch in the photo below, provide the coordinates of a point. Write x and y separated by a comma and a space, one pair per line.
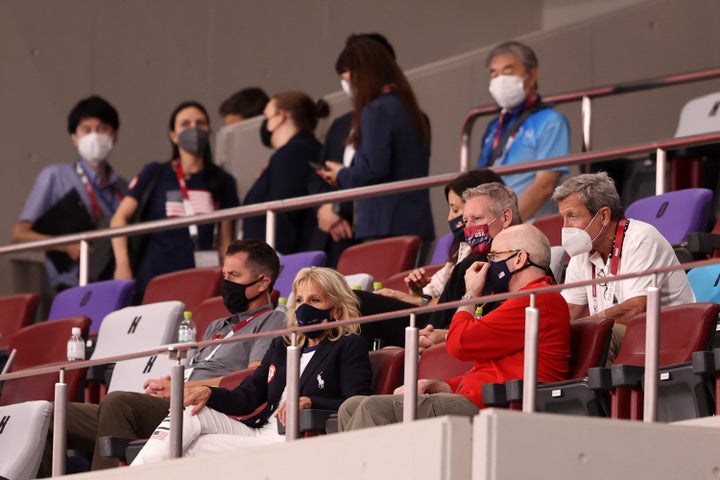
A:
467, 296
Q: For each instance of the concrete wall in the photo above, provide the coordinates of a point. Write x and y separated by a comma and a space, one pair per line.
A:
146, 56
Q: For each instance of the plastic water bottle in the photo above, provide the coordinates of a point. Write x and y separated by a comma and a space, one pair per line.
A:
282, 305
478, 312
377, 286
76, 346
187, 331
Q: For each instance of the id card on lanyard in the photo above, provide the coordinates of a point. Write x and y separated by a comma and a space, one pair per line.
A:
217, 336
203, 258
94, 193
614, 259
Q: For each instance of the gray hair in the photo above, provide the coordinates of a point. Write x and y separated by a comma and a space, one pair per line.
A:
500, 197
529, 238
596, 190
520, 50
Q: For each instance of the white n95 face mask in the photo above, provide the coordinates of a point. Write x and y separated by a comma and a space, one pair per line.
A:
346, 87
507, 90
95, 147
576, 241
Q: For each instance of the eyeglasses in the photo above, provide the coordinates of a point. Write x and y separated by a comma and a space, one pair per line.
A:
493, 256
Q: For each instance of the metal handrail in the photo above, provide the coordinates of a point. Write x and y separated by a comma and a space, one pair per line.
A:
411, 358
357, 193
585, 96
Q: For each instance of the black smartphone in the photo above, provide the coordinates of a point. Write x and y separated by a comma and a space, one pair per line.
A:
318, 166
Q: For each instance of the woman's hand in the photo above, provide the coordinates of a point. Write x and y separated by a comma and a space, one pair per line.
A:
330, 174
416, 280
197, 397
304, 402
402, 296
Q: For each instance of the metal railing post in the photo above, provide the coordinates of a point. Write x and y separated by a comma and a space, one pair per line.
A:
464, 151
532, 316
59, 426
270, 219
84, 262
292, 424
586, 112
411, 371
660, 167
177, 394
652, 344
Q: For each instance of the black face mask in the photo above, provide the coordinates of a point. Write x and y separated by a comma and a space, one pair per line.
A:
309, 315
233, 295
265, 134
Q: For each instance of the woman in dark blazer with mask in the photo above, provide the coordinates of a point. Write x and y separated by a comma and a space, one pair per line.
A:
334, 366
289, 126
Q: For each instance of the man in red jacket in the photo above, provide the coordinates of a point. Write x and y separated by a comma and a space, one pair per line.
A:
517, 262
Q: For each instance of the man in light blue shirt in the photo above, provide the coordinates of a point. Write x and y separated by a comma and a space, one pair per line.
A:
93, 125
526, 130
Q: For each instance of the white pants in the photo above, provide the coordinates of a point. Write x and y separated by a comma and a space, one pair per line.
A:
207, 432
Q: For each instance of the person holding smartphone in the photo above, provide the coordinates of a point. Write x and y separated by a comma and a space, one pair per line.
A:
290, 121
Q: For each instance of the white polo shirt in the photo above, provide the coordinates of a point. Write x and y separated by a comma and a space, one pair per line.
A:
643, 248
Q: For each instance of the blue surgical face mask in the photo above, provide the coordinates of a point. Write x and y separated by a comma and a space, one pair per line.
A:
306, 315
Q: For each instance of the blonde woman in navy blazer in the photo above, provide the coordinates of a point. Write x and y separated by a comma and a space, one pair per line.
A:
334, 366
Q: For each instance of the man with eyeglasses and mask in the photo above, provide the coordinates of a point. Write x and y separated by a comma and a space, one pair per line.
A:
249, 273
526, 130
603, 243
517, 262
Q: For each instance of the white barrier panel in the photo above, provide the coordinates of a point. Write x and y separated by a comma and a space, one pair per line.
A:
434, 449
510, 445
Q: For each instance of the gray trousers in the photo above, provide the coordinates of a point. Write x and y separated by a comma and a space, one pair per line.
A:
363, 412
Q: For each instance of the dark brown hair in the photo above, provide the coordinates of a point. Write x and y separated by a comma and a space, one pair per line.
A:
372, 72
302, 109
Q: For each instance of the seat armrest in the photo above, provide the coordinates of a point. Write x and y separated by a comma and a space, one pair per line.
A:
133, 449
311, 420
600, 379
493, 395
627, 375
113, 447
331, 426
704, 363
514, 390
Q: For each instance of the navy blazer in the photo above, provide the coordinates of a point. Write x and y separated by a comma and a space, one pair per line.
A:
338, 370
389, 150
287, 175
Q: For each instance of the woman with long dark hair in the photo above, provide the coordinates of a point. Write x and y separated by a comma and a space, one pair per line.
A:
189, 184
392, 141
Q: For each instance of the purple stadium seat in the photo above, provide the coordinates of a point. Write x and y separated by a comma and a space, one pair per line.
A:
674, 214
442, 249
94, 300
291, 264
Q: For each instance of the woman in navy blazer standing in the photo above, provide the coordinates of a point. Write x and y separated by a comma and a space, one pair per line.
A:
392, 142
333, 367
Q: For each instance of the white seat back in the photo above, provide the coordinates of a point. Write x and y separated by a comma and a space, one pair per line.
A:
23, 433
134, 329
700, 115
363, 280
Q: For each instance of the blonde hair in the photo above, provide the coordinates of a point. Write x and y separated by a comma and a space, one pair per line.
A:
335, 287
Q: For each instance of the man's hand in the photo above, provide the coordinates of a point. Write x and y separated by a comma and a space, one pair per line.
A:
72, 250
426, 385
197, 397
416, 280
158, 387
341, 230
304, 403
429, 336
326, 217
475, 278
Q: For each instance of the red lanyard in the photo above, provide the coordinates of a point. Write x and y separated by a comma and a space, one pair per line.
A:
615, 251
498, 132
240, 325
181, 179
97, 212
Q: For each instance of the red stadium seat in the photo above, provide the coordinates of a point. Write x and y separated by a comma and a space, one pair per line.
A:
42, 344
208, 311
190, 286
387, 366
551, 226
381, 258
437, 363
16, 312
